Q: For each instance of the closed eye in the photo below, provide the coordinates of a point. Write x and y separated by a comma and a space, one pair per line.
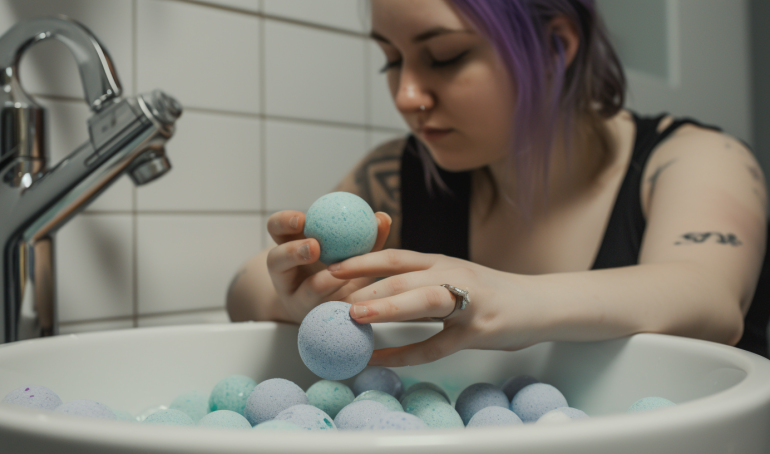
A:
451, 61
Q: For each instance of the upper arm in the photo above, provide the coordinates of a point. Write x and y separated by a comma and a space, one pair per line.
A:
705, 200
376, 179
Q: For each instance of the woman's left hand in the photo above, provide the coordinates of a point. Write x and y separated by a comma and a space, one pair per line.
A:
498, 316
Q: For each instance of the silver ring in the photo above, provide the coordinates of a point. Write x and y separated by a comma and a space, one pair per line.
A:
462, 300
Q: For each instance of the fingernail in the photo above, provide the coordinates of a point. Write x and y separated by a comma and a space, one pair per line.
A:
334, 267
379, 222
294, 222
304, 251
390, 219
360, 311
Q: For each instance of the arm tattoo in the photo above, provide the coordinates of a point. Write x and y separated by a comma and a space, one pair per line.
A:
654, 178
697, 238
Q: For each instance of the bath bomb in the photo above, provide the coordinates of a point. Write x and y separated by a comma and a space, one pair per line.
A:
33, 396
169, 417
379, 379
514, 384
562, 414
390, 402
478, 396
358, 415
86, 409
344, 225
272, 397
194, 403
535, 400
494, 416
224, 419
440, 416
277, 425
123, 415
330, 396
421, 398
231, 393
407, 382
649, 403
425, 385
333, 345
308, 417
396, 420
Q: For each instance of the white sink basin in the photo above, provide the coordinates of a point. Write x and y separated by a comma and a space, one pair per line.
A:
723, 394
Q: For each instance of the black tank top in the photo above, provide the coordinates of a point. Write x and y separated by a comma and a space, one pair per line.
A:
438, 221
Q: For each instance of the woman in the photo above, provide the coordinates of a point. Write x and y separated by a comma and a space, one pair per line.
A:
525, 183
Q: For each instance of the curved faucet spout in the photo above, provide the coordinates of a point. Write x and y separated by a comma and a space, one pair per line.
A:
100, 82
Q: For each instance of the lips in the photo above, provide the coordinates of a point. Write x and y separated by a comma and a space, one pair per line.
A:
431, 134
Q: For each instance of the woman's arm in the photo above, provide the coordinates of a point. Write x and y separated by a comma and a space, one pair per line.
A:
699, 262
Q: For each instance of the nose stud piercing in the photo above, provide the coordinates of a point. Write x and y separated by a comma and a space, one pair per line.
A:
422, 108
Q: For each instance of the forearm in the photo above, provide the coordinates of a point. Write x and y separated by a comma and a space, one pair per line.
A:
670, 298
251, 295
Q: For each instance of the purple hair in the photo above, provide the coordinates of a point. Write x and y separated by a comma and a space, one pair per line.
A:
550, 96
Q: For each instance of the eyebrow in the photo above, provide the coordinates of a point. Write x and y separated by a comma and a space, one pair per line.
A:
424, 36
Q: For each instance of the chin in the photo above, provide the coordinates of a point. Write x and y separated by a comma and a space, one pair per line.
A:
456, 160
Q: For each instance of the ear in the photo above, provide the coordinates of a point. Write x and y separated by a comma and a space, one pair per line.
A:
563, 31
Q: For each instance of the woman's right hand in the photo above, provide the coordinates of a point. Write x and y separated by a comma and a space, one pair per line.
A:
299, 279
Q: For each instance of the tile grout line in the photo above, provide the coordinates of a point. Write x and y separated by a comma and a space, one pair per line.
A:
134, 202
262, 49
145, 316
261, 116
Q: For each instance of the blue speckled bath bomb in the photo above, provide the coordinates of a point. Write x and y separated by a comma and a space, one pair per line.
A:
33, 396
330, 396
390, 402
478, 396
87, 409
440, 416
277, 425
123, 415
494, 416
514, 384
194, 403
333, 345
380, 379
308, 417
344, 225
272, 397
231, 393
224, 419
649, 403
425, 385
535, 400
358, 415
169, 417
421, 398
562, 414
396, 420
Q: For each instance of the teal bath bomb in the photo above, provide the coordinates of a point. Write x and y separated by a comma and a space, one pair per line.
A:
194, 403
330, 396
344, 225
169, 418
224, 419
649, 403
231, 393
390, 402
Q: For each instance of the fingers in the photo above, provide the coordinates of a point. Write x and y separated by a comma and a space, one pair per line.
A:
384, 222
429, 301
320, 285
383, 263
434, 348
285, 226
287, 256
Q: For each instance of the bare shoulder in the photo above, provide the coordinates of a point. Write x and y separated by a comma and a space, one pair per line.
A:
705, 156
376, 179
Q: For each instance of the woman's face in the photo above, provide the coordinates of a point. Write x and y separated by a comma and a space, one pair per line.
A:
446, 80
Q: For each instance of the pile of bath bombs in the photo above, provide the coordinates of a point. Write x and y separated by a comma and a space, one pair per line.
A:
377, 400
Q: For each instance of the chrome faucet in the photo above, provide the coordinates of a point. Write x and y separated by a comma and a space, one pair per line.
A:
126, 135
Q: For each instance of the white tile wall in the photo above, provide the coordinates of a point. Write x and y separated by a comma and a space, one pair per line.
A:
327, 154
313, 73
280, 102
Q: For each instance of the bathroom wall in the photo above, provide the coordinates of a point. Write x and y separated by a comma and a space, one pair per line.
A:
281, 97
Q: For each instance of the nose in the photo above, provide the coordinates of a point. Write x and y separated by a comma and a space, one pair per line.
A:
412, 95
